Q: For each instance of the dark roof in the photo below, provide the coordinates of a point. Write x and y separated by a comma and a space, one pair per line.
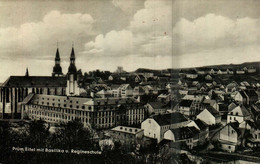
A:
185, 103
184, 133
156, 105
212, 110
243, 94
251, 93
201, 124
35, 81
223, 107
169, 118
235, 126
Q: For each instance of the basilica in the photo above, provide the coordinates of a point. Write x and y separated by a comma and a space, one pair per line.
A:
16, 88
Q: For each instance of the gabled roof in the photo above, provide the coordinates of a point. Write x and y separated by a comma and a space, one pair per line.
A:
201, 124
169, 118
212, 110
243, 110
35, 81
235, 126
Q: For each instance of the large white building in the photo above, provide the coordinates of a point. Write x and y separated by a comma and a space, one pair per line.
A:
157, 125
100, 113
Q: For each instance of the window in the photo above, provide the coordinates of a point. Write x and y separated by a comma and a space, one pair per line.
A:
237, 113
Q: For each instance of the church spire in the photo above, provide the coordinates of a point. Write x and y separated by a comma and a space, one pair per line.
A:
57, 70
72, 67
27, 72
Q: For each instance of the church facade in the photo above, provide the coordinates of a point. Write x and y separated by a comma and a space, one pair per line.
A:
16, 88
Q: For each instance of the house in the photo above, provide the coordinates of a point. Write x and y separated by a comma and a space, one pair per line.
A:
185, 108
252, 96
210, 116
209, 102
240, 72
157, 125
213, 71
138, 91
238, 114
104, 94
192, 74
203, 128
208, 77
156, 107
189, 135
140, 78
110, 78
251, 70
126, 135
231, 106
164, 98
254, 140
240, 97
231, 87
230, 71
125, 90
230, 137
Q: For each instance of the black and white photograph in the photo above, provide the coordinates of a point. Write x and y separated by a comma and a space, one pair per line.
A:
130, 81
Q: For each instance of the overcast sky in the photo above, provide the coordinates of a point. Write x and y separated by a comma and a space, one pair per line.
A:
134, 34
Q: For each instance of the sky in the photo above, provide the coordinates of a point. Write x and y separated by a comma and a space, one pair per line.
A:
155, 34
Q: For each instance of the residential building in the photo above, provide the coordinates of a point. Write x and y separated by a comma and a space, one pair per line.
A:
238, 114
126, 135
189, 135
157, 125
210, 116
230, 137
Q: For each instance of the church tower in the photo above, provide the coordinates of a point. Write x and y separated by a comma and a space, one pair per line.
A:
27, 72
57, 70
72, 78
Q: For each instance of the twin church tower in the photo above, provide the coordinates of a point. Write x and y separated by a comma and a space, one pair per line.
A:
72, 88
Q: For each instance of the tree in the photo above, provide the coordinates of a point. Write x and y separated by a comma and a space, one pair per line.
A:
38, 133
73, 135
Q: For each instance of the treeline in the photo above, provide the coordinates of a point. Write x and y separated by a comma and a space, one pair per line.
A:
36, 135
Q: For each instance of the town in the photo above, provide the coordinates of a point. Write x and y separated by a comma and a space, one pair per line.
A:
206, 114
